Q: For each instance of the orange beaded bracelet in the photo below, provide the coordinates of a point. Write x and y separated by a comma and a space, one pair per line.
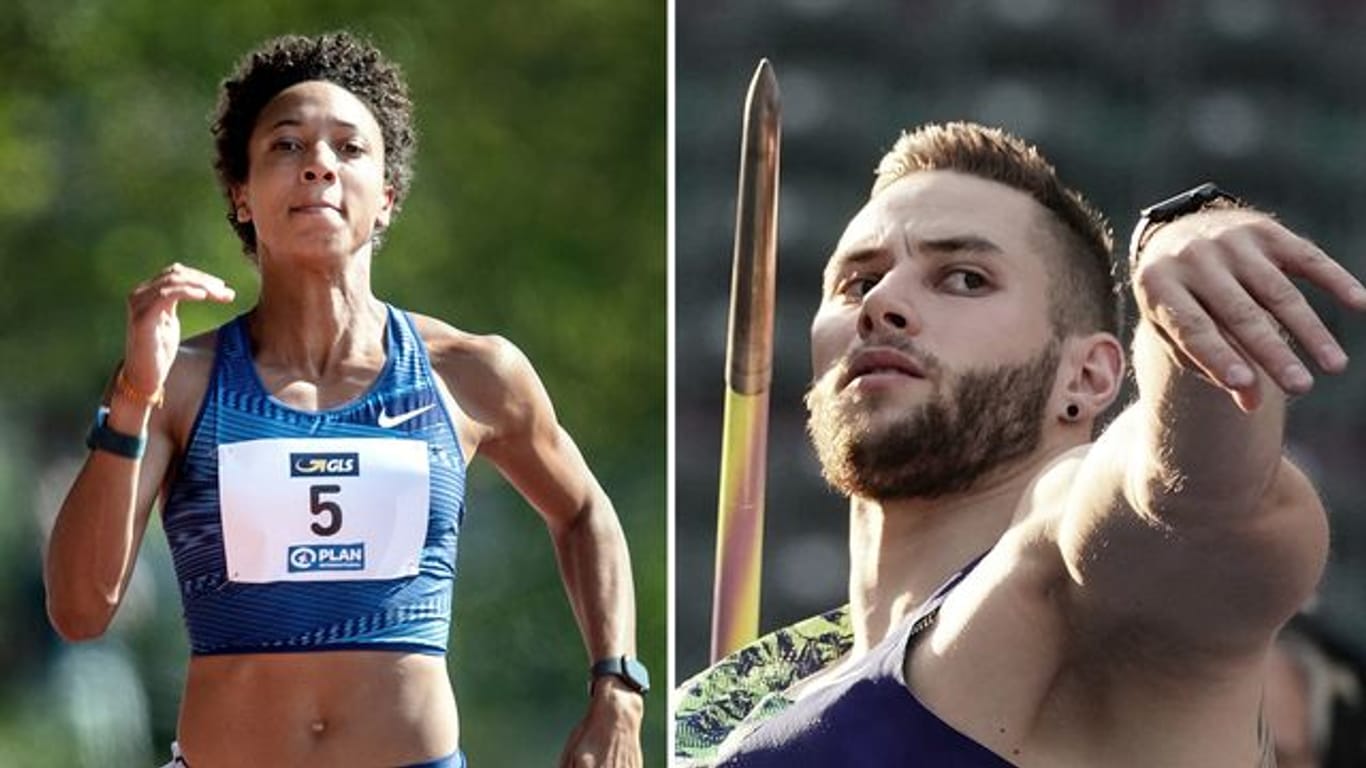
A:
123, 387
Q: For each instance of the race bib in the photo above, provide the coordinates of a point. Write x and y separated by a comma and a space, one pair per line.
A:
301, 509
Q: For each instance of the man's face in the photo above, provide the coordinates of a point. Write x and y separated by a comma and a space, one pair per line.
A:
933, 352
316, 172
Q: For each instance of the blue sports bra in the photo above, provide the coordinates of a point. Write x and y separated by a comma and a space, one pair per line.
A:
306, 531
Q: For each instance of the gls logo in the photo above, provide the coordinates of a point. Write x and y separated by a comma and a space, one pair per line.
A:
324, 464
326, 557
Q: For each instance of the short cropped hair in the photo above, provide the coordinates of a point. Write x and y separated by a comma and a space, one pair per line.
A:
338, 58
1086, 289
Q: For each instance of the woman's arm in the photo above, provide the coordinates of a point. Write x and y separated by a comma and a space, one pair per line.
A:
100, 525
496, 386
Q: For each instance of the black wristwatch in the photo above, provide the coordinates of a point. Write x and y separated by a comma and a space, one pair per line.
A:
630, 670
103, 438
1190, 201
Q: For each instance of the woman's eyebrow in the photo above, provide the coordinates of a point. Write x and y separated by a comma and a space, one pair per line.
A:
292, 121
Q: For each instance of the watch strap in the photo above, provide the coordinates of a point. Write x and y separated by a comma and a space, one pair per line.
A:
104, 438
1196, 199
628, 669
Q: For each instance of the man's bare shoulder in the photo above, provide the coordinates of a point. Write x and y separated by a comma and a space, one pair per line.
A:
1021, 575
1011, 627
1046, 497
1017, 589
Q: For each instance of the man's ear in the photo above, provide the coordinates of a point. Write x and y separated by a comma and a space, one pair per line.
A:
1093, 372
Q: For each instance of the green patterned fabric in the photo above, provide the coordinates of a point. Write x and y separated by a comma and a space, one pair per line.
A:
747, 687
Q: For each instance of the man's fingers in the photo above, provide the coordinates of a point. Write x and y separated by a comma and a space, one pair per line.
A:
1248, 324
1226, 301
1286, 303
1301, 258
1247, 400
1194, 333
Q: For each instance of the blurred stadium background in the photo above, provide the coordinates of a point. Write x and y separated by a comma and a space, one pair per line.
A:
538, 212
1133, 100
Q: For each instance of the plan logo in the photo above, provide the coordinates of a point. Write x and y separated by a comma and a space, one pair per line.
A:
305, 558
324, 464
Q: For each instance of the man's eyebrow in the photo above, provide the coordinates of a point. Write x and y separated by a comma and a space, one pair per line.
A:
864, 253
957, 244
860, 254
850, 258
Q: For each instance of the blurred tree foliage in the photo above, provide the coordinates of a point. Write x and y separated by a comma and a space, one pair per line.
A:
538, 213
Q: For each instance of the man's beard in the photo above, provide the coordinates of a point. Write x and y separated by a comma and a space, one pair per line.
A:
984, 420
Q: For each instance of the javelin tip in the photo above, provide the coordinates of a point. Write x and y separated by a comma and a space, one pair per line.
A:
765, 82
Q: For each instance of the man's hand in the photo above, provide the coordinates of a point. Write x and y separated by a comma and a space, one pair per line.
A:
1217, 286
609, 735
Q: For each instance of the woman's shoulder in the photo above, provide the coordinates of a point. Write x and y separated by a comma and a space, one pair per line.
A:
194, 358
188, 381
490, 379
454, 351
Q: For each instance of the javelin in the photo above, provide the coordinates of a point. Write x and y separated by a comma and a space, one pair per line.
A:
749, 366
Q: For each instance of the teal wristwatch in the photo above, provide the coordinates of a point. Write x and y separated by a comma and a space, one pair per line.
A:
102, 438
630, 670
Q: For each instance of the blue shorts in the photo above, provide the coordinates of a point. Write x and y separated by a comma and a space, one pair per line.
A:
454, 760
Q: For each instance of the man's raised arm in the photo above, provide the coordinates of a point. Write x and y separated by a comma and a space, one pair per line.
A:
1187, 523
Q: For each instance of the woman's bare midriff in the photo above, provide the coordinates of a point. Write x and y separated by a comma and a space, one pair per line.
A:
333, 708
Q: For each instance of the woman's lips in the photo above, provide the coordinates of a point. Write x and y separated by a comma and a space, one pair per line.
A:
314, 208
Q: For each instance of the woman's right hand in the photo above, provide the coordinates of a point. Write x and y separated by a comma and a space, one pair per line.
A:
153, 327
96, 535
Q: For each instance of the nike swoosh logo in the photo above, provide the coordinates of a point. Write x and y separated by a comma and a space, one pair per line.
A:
386, 421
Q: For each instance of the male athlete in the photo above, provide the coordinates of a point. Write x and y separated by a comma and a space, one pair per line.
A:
1019, 594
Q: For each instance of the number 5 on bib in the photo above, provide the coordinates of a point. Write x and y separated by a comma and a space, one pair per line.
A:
299, 509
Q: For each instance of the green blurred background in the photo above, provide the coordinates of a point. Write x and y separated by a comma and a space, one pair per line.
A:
538, 212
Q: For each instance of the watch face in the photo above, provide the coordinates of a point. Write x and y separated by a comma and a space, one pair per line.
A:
637, 674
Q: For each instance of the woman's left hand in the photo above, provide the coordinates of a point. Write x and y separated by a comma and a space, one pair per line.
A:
609, 735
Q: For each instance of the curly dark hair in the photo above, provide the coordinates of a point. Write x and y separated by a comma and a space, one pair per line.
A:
337, 57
